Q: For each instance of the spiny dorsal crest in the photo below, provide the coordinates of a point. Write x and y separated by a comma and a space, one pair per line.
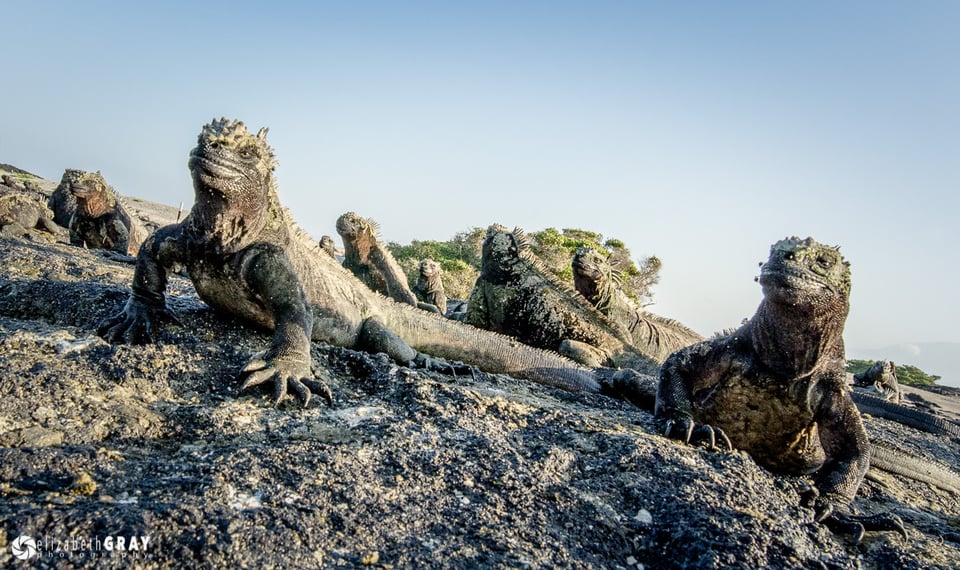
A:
235, 134
518, 239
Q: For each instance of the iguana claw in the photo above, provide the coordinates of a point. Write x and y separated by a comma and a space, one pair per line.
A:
443, 366
136, 323
284, 373
687, 431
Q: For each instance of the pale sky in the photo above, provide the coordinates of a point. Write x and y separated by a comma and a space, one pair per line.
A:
700, 132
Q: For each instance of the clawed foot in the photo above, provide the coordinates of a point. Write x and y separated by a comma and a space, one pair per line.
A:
451, 367
136, 323
687, 431
285, 373
856, 525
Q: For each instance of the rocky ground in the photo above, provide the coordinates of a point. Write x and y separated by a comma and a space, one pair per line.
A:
407, 468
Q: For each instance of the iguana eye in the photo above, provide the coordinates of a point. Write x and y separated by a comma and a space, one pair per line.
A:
247, 152
825, 261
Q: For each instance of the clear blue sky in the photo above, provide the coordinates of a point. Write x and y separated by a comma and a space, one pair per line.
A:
697, 131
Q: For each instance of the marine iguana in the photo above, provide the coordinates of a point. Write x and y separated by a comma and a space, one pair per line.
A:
327, 245
247, 258
21, 214
599, 283
516, 295
882, 377
100, 220
429, 287
370, 260
776, 388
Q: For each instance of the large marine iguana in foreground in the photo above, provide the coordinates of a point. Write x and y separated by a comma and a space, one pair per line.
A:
599, 283
516, 295
247, 258
776, 387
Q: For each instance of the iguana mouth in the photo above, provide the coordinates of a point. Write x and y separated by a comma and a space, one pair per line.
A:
212, 167
81, 191
785, 276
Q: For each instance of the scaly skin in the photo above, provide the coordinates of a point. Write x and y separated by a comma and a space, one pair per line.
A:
599, 283
516, 295
247, 258
776, 388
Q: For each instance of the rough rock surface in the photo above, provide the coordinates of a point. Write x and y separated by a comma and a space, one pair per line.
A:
406, 469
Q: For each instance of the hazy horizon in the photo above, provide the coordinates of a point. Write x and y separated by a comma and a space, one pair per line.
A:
700, 133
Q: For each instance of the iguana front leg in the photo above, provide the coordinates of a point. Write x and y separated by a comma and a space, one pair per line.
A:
847, 448
136, 324
267, 274
674, 405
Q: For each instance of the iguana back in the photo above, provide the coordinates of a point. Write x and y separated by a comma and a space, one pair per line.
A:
600, 284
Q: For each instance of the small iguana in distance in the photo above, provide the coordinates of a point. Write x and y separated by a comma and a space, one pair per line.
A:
429, 287
247, 258
600, 284
516, 295
21, 215
100, 220
882, 377
370, 260
776, 388
327, 245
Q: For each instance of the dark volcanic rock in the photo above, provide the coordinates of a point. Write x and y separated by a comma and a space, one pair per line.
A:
406, 469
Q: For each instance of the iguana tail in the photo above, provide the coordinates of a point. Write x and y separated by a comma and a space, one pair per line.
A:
903, 464
434, 335
904, 415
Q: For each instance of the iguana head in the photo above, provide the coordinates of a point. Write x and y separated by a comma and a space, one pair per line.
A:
94, 197
429, 268
802, 271
351, 226
233, 183
501, 245
230, 161
593, 277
